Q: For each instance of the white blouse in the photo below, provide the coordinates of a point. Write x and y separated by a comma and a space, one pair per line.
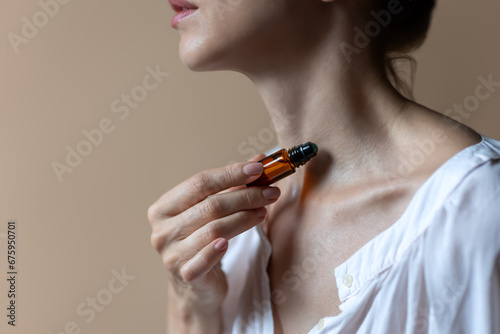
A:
436, 270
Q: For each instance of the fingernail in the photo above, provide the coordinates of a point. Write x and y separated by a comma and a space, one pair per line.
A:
253, 168
271, 193
261, 212
221, 245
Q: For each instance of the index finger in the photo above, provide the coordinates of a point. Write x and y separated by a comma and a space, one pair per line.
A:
258, 157
200, 186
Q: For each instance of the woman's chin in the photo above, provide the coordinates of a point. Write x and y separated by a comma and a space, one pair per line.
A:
199, 56
192, 55
194, 63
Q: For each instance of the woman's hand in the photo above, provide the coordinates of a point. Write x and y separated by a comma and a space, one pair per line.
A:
192, 224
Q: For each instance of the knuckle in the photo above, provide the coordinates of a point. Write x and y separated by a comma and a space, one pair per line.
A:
211, 207
212, 231
152, 213
250, 196
170, 262
157, 241
230, 174
165, 235
199, 183
187, 274
245, 217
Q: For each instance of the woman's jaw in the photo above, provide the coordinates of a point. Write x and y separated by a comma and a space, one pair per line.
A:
248, 36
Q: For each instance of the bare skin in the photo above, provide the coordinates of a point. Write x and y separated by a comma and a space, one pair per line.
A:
362, 125
345, 218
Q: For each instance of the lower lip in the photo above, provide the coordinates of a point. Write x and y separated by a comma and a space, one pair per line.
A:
180, 16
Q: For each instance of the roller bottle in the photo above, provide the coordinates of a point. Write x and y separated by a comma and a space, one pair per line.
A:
284, 162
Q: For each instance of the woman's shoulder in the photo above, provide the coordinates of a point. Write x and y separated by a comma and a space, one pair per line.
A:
459, 205
467, 221
473, 170
478, 170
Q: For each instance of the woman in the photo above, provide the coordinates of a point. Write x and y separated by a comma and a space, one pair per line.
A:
392, 228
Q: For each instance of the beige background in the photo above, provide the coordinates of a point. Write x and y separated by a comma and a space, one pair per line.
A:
72, 234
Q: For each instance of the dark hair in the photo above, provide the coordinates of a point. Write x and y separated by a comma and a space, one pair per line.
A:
406, 32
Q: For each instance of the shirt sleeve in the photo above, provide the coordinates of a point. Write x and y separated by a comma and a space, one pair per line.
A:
463, 266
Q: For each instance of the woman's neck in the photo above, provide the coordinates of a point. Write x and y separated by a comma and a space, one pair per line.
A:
348, 111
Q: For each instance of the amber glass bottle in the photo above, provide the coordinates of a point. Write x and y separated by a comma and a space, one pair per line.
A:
282, 163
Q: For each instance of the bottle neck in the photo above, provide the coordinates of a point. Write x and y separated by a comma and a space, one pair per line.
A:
297, 157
